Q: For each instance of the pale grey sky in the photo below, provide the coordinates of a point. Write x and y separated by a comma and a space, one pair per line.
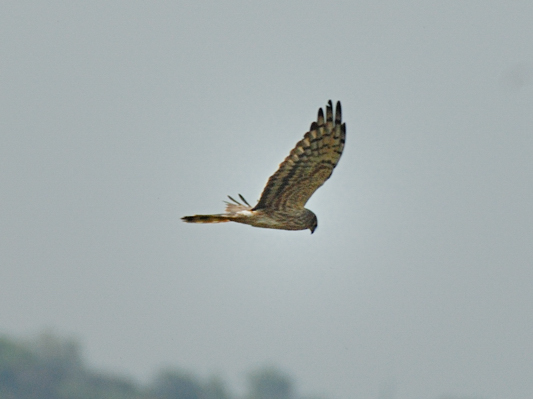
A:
118, 118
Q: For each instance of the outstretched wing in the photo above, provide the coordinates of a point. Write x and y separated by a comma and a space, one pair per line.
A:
308, 165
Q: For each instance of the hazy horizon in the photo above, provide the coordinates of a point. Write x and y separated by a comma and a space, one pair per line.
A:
117, 119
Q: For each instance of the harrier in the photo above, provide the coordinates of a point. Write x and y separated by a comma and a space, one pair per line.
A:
307, 167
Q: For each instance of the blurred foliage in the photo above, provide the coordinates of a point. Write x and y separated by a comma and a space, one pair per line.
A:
270, 383
51, 367
172, 384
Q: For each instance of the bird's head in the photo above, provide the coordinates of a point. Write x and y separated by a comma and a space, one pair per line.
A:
313, 224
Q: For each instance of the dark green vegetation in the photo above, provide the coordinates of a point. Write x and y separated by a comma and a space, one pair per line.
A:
52, 368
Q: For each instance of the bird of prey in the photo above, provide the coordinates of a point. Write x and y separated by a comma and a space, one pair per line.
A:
307, 167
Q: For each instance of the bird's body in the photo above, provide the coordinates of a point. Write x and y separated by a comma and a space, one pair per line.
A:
293, 219
307, 167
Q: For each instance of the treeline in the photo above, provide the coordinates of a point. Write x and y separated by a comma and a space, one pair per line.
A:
50, 367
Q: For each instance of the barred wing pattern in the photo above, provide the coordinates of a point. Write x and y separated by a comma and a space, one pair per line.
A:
308, 165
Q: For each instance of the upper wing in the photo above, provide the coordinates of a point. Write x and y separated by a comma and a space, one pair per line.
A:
308, 165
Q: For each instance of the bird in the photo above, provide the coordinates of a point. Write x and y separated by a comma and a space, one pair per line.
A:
304, 170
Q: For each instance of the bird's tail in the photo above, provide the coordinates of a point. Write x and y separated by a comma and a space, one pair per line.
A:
232, 213
206, 219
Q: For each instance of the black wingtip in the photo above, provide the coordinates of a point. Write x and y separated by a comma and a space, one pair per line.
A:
329, 112
320, 117
246, 202
233, 199
338, 113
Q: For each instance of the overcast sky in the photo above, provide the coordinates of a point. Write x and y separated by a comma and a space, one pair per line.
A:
118, 118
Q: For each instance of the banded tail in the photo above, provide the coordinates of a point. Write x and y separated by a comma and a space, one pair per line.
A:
206, 219
232, 212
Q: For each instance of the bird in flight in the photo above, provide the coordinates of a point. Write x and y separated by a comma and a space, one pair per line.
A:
307, 167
